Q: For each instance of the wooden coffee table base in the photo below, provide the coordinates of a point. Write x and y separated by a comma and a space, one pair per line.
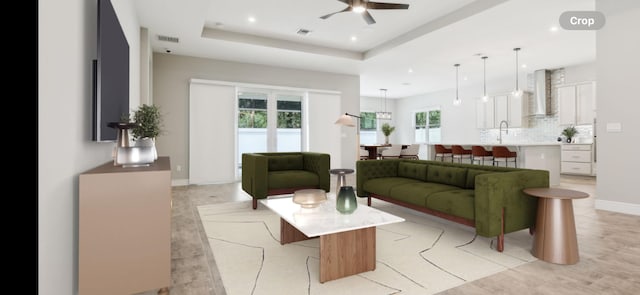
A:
341, 254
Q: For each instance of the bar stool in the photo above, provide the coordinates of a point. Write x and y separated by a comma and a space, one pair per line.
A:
442, 152
480, 154
460, 153
503, 154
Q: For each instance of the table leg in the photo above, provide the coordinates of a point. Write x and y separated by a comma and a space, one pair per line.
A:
290, 234
347, 253
555, 238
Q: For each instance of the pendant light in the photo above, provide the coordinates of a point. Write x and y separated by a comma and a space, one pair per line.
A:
517, 92
384, 115
485, 98
457, 101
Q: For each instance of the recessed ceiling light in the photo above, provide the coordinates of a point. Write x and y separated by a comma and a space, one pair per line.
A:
465, 78
410, 70
354, 38
406, 83
524, 66
251, 19
553, 29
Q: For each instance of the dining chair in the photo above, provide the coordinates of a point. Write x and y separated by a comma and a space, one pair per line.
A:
411, 152
364, 154
458, 152
503, 154
442, 152
392, 152
480, 154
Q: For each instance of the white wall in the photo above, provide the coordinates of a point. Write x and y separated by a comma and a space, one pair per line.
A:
126, 12
171, 74
67, 44
618, 61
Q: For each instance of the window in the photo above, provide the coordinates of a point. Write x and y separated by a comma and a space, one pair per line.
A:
427, 126
289, 112
368, 128
252, 110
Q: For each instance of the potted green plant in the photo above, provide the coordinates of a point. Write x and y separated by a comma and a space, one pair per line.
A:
387, 130
148, 120
569, 133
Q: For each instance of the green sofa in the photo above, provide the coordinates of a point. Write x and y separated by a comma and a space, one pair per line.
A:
485, 197
266, 174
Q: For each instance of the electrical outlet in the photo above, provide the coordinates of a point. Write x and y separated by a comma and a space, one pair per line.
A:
178, 168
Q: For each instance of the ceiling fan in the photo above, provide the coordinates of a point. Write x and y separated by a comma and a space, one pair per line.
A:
361, 6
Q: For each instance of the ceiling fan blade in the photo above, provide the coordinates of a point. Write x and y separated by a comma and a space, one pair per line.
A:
330, 14
378, 5
368, 18
345, 1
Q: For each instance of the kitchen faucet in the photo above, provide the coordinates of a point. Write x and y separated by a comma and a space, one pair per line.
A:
506, 129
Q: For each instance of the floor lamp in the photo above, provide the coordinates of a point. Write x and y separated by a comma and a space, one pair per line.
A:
347, 120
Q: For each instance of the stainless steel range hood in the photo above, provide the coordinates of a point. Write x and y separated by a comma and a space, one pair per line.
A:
542, 95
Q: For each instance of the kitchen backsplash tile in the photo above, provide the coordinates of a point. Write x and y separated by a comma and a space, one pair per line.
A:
541, 129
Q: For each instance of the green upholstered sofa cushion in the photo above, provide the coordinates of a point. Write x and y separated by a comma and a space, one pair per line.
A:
383, 186
292, 178
471, 177
417, 193
447, 175
412, 170
459, 202
285, 162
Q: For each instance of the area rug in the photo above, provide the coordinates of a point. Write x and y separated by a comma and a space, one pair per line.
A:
423, 255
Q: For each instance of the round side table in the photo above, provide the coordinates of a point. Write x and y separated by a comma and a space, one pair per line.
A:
555, 239
342, 180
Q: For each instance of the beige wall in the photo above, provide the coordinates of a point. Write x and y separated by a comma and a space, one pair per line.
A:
171, 74
66, 46
618, 61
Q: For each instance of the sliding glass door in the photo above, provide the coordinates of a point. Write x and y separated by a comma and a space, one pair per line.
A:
269, 121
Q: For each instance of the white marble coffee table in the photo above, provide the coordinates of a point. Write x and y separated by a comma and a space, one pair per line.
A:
347, 241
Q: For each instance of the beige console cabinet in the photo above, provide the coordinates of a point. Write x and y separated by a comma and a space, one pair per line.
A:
124, 244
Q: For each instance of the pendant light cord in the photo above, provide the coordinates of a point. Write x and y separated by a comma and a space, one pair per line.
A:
516, 50
457, 65
484, 60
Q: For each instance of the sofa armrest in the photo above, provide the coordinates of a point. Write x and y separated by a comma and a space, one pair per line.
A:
255, 171
494, 191
368, 169
319, 164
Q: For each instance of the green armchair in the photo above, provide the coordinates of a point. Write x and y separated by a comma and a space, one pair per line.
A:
266, 174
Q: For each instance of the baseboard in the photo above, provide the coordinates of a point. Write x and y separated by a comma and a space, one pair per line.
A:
620, 207
179, 182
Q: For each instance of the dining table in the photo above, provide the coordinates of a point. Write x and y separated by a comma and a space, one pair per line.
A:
373, 149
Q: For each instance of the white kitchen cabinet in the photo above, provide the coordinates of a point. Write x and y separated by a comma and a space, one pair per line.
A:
505, 107
501, 109
485, 113
576, 104
576, 159
517, 110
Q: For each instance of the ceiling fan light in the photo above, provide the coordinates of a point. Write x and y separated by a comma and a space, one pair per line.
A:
485, 98
359, 9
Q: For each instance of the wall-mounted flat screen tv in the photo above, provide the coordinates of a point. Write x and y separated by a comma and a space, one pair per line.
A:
111, 74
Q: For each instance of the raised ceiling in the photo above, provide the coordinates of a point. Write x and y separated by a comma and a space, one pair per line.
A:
428, 38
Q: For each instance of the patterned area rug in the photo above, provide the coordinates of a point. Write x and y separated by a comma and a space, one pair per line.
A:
423, 255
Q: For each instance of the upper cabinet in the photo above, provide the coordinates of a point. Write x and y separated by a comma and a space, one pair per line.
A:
576, 104
505, 107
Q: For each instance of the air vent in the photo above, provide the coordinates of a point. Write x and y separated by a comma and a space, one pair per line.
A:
303, 32
168, 39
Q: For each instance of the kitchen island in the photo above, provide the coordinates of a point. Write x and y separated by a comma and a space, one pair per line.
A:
543, 156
